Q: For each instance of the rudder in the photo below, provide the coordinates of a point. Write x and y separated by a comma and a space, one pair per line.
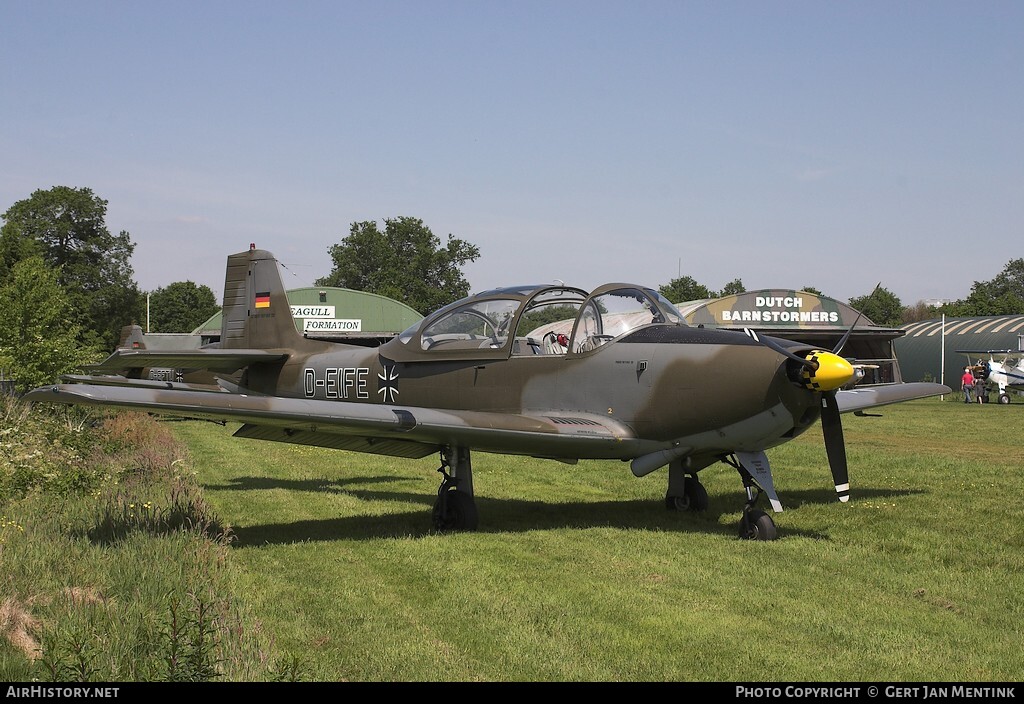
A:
256, 312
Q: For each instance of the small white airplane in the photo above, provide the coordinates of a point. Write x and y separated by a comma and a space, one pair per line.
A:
1004, 367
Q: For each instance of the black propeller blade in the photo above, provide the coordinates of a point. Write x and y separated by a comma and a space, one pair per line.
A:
832, 425
842, 342
771, 344
835, 446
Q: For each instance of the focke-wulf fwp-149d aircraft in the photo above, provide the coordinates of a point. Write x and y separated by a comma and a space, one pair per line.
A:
544, 371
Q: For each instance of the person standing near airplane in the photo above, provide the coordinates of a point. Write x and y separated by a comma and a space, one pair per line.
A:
967, 383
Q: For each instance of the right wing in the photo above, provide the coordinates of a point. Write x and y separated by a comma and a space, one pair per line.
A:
862, 397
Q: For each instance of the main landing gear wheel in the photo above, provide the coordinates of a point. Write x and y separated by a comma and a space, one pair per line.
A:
455, 511
694, 498
757, 525
1004, 398
455, 508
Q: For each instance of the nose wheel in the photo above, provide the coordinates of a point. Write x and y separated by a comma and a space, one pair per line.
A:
756, 525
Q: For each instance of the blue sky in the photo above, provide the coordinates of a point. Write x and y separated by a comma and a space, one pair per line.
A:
787, 144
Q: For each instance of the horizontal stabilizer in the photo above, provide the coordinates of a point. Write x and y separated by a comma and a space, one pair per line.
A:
212, 359
115, 380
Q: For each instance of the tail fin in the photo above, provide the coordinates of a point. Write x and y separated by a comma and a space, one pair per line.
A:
256, 313
131, 338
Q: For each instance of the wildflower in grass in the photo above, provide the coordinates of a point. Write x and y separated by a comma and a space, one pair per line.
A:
5, 525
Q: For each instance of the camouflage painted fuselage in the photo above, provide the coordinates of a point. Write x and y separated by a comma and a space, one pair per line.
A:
658, 387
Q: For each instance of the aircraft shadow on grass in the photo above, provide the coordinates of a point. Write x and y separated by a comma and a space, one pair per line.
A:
334, 486
507, 515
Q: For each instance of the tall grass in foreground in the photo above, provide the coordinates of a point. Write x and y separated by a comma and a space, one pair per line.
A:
578, 573
113, 567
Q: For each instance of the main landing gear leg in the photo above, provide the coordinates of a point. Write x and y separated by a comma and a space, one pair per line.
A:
756, 524
685, 492
455, 508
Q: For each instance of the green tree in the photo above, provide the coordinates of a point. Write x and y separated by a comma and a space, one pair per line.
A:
811, 289
38, 333
181, 307
881, 306
685, 288
918, 312
1003, 295
66, 226
14, 247
1010, 280
982, 302
732, 288
405, 262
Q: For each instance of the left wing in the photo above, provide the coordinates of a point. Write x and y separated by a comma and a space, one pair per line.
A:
368, 427
870, 396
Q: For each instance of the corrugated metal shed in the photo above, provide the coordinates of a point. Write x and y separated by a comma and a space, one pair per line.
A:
929, 349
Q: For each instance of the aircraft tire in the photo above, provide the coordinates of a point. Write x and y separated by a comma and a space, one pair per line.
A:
456, 512
1005, 398
757, 525
694, 498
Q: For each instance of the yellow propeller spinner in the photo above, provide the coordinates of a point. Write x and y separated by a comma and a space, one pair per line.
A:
829, 371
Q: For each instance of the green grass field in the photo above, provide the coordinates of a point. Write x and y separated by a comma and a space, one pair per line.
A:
578, 573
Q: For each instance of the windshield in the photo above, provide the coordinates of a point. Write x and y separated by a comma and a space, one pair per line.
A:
476, 324
672, 313
612, 314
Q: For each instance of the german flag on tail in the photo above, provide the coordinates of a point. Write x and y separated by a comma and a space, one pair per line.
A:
263, 300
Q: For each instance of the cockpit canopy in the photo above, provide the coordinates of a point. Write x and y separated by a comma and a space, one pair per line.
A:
536, 320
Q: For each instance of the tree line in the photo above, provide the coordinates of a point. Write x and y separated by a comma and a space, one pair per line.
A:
68, 287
